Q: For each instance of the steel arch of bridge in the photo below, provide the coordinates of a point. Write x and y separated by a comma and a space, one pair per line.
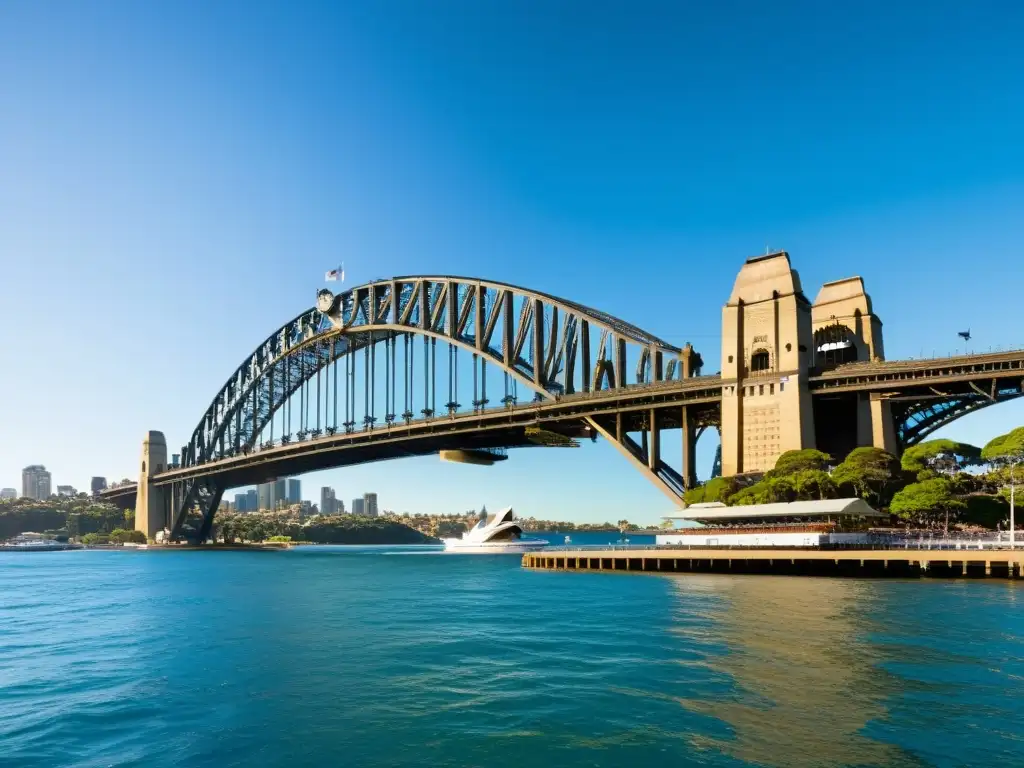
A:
915, 420
551, 345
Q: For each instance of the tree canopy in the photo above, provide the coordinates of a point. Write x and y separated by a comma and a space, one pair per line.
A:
938, 455
871, 473
1005, 448
792, 462
927, 502
715, 489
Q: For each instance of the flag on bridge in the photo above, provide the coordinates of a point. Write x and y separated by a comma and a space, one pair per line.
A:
336, 274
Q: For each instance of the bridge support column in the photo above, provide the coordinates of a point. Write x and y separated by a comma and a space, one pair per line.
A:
883, 431
689, 434
151, 504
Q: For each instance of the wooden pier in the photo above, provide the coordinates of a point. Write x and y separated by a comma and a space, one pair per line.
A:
941, 563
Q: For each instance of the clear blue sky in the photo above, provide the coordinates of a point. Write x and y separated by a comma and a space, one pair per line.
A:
176, 177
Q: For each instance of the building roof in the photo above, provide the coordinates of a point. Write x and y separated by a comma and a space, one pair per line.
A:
821, 508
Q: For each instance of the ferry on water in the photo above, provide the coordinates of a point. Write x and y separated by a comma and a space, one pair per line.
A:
495, 535
35, 542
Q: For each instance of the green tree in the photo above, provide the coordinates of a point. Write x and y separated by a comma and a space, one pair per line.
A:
715, 489
127, 536
1008, 448
985, 511
1007, 453
771, 490
927, 503
813, 484
791, 462
871, 473
940, 456
450, 528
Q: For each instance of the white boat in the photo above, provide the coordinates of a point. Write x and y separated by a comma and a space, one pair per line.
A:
494, 535
35, 543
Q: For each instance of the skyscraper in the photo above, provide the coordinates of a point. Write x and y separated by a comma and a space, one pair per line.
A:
370, 504
98, 484
294, 491
252, 501
357, 507
66, 490
35, 482
241, 502
328, 501
9, 493
265, 500
273, 495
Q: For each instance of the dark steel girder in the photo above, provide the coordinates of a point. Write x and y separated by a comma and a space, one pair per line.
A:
439, 307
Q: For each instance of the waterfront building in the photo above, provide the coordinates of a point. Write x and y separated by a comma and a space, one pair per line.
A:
358, 507
294, 491
9, 493
252, 502
370, 504
66, 490
328, 501
97, 484
35, 482
796, 524
241, 502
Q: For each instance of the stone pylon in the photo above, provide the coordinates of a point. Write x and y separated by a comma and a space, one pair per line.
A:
151, 505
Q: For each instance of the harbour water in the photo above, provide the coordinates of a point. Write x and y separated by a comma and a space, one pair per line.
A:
401, 657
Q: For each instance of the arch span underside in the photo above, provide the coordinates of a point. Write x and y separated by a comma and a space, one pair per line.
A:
368, 357
916, 420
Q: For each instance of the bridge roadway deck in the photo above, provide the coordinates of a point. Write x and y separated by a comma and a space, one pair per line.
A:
493, 427
496, 427
893, 562
890, 375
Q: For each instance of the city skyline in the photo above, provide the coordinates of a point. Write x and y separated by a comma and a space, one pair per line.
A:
635, 181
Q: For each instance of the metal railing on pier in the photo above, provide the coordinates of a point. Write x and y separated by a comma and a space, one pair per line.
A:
923, 543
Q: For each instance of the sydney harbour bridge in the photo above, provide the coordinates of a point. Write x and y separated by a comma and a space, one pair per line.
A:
470, 368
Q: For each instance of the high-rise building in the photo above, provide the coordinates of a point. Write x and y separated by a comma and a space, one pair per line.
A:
272, 495
294, 491
8, 493
328, 501
357, 507
98, 484
339, 507
252, 501
66, 490
370, 504
35, 482
265, 497
241, 502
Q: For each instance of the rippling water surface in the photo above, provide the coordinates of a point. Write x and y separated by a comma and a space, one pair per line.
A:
341, 656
